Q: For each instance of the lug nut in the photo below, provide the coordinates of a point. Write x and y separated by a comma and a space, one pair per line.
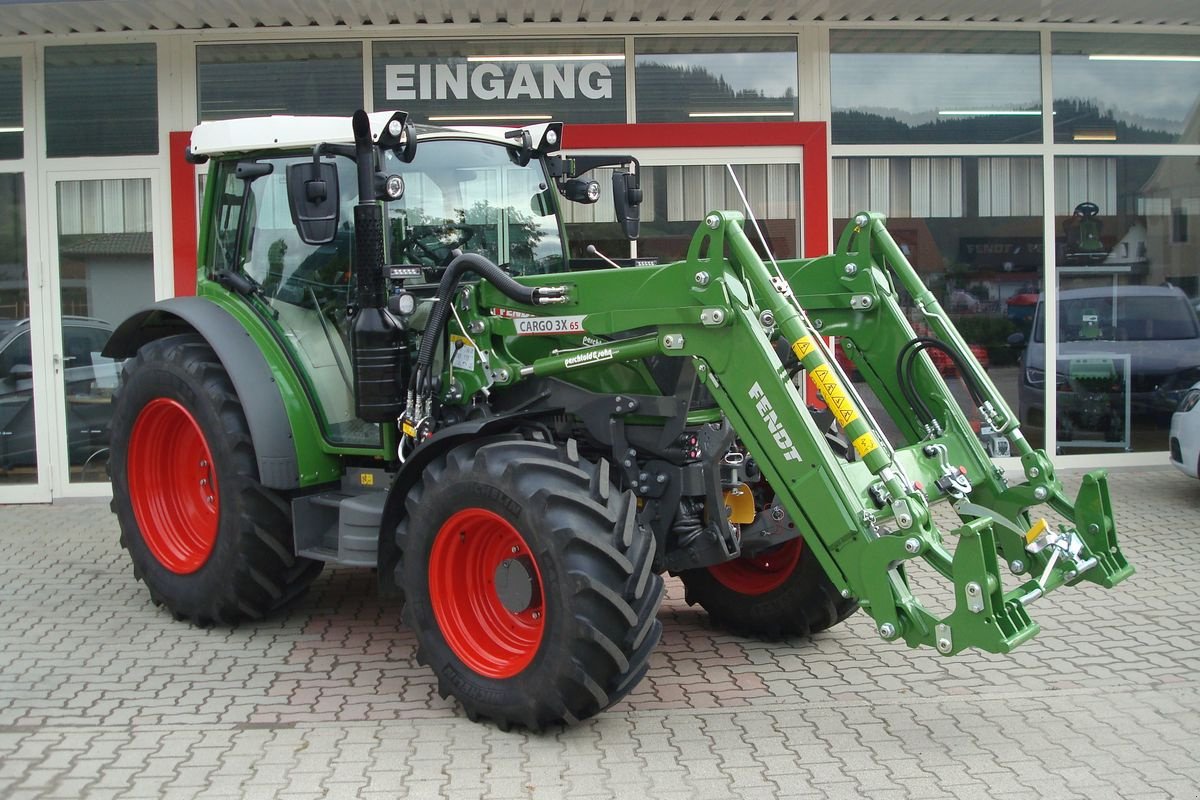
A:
912, 545
887, 630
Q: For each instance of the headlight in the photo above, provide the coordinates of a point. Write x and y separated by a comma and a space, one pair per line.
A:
1189, 400
1035, 376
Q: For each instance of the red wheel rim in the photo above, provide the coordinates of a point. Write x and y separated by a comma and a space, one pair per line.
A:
485, 635
173, 486
762, 573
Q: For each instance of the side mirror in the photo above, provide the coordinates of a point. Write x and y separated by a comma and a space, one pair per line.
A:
21, 372
1016, 339
313, 200
627, 201
541, 204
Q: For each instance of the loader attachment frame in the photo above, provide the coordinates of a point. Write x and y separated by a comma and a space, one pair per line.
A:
864, 518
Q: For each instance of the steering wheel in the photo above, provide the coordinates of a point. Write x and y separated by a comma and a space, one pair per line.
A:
431, 250
1087, 209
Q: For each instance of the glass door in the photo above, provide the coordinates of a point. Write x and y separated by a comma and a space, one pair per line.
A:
24, 413
23, 476
103, 265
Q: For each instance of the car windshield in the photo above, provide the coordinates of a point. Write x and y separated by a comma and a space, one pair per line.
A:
1141, 318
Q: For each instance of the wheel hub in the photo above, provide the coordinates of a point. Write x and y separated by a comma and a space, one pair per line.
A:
514, 584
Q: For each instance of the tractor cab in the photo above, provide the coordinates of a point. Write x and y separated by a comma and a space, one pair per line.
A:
283, 231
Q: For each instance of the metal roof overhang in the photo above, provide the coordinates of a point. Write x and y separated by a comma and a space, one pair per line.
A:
44, 17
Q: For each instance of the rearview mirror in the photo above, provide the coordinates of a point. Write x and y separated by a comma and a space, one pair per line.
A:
313, 200
627, 201
1016, 339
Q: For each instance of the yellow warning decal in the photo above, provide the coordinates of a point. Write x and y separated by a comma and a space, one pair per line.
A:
834, 395
864, 444
366, 479
408, 429
803, 346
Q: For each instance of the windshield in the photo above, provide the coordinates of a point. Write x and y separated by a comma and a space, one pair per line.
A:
1140, 318
474, 197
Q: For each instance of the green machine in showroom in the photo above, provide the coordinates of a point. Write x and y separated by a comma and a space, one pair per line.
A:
394, 361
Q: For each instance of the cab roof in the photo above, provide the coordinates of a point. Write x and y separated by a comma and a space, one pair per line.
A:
286, 132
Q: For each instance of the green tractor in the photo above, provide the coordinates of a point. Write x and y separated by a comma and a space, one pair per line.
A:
393, 361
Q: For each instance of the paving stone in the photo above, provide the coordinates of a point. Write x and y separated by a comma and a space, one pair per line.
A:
103, 695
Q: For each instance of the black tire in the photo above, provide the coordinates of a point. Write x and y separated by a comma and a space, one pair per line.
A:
589, 568
241, 566
755, 597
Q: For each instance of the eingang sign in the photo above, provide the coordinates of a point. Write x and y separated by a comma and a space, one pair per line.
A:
491, 81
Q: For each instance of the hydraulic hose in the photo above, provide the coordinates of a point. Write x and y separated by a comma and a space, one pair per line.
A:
463, 263
904, 362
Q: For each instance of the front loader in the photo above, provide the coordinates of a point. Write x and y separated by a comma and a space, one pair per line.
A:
522, 447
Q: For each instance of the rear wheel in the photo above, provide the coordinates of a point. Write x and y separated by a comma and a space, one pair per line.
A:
211, 543
777, 593
528, 582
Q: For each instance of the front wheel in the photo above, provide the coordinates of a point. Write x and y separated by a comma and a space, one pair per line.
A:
777, 593
211, 543
528, 582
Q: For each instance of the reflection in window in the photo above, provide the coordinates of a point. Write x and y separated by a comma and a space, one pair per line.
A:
106, 273
972, 228
935, 87
101, 100
12, 126
502, 82
254, 80
1126, 88
18, 447
1129, 339
709, 79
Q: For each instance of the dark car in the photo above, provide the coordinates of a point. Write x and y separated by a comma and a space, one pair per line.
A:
1127, 344
87, 378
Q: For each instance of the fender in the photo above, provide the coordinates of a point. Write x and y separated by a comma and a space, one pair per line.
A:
393, 509
266, 414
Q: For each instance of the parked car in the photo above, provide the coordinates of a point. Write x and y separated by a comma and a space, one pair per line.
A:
1185, 433
87, 378
1153, 328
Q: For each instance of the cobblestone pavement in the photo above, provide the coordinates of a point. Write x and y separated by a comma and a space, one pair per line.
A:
103, 695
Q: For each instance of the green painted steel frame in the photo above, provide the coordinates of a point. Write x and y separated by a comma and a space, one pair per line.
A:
710, 308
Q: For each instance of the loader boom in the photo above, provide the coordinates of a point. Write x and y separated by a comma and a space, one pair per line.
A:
865, 518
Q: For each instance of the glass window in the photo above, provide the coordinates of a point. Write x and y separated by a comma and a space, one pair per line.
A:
12, 125
303, 78
932, 86
101, 100
106, 271
1126, 88
699, 79
1128, 272
579, 81
18, 447
972, 227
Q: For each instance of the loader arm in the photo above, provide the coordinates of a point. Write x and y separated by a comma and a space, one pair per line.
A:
866, 518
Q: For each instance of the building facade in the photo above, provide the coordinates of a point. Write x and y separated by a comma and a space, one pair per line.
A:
1041, 172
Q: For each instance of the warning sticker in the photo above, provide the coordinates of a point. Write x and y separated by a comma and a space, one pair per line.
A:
834, 396
803, 346
864, 444
549, 326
